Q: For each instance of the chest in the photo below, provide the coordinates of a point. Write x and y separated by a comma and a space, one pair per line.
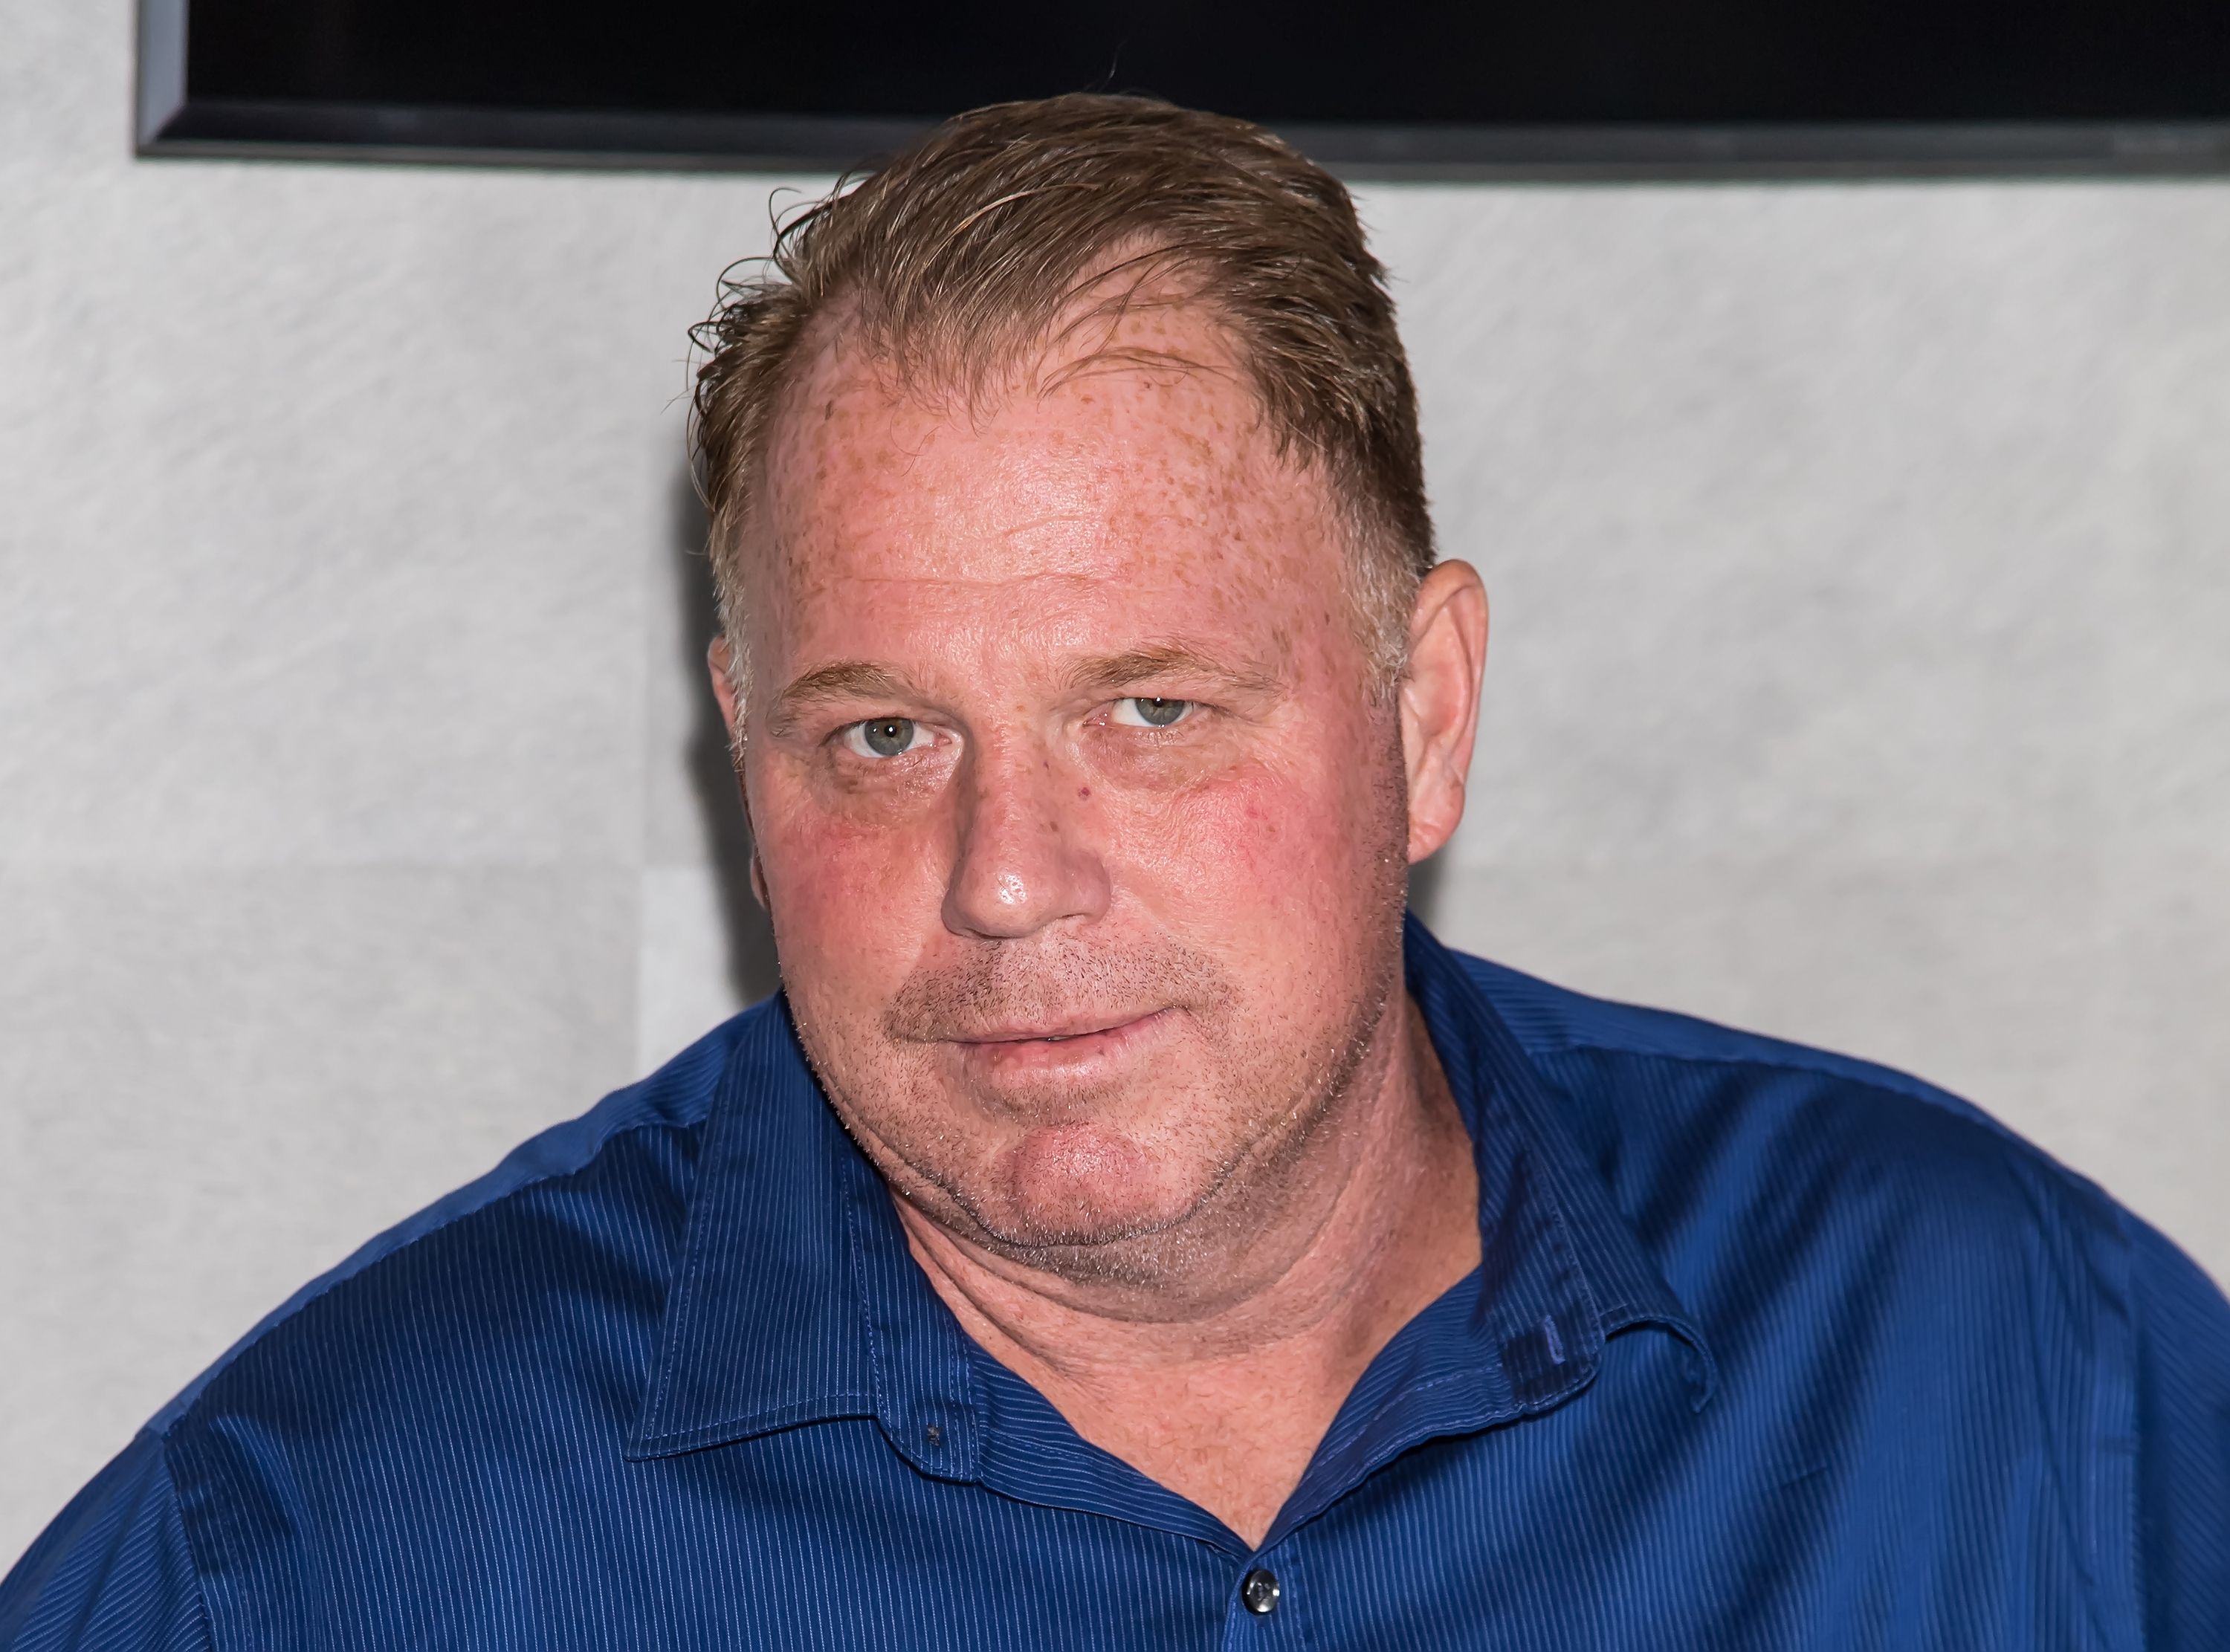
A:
1619, 1520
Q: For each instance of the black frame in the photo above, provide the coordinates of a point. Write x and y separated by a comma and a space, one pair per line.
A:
170, 122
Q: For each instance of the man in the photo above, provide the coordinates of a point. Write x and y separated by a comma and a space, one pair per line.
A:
1123, 1232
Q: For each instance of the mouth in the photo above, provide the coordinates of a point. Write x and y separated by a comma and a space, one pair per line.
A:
1060, 1034
1066, 1045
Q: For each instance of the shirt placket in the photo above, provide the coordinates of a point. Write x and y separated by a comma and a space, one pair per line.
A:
1270, 1601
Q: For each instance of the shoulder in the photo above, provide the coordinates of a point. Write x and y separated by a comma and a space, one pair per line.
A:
1550, 1021
465, 1336
584, 1208
1642, 1067
113, 1571
1755, 1160
1915, 1284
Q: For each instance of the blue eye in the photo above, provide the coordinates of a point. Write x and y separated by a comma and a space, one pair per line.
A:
884, 736
1150, 711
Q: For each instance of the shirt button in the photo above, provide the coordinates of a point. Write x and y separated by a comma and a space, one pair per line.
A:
1260, 1591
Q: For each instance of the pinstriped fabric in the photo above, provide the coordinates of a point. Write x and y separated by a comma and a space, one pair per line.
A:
1768, 1348
755, 1338
112, 1570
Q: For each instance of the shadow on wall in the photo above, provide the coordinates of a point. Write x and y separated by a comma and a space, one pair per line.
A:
752, 968
1425, 880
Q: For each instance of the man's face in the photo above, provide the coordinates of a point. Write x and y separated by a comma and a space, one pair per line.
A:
1080, 816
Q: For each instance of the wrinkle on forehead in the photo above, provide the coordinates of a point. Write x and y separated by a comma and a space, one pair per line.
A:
1108, 469
1105, 492
1128, 312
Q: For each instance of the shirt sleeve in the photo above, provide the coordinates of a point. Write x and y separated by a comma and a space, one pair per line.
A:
113, 1571
2183, 1448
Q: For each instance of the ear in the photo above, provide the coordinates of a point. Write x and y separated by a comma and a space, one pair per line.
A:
717, 660
1440, 700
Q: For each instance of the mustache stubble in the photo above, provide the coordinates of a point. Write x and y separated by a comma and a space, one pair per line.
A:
995, 984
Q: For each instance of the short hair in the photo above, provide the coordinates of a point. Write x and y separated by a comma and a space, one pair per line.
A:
971, 244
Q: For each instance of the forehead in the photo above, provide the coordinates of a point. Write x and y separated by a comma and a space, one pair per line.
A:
1133, 467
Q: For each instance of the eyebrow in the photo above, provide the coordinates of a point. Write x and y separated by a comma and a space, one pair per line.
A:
856, 679
1119, 670
845, 680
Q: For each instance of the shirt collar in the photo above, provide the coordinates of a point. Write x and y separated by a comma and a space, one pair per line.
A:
796, 1300
1524, 1144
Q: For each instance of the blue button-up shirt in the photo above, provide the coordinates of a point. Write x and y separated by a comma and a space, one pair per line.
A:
1768, 1348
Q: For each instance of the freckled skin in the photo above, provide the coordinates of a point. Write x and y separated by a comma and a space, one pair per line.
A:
1116, 1008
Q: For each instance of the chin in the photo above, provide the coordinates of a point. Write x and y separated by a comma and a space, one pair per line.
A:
1083, 1185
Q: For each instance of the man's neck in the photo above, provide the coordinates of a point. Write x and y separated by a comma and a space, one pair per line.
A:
1224, 1399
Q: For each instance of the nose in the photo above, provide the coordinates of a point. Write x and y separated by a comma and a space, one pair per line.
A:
1022, 860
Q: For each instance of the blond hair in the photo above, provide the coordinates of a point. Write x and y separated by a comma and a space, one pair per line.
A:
970, 245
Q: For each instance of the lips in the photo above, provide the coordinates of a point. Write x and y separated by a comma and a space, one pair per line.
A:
1061, 1033
1073, 1047
1053, 994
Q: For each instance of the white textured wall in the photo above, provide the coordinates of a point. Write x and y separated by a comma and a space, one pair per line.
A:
1862, 672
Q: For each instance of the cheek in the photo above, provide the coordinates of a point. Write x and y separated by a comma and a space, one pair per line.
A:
1300, 844
848, 896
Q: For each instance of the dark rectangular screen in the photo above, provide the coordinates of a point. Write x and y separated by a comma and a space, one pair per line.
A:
1402, 85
